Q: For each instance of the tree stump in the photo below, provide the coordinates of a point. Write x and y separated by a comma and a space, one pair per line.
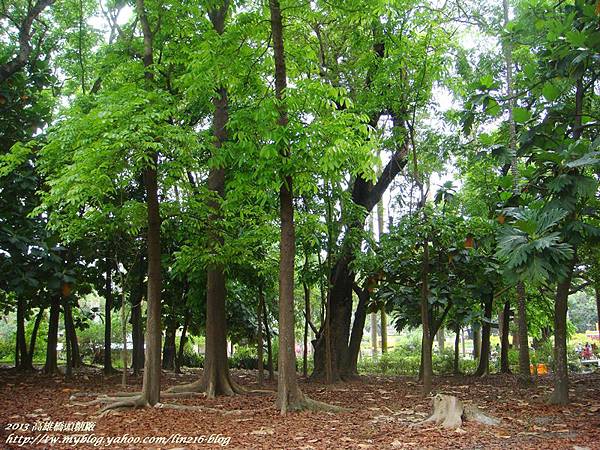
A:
449, 412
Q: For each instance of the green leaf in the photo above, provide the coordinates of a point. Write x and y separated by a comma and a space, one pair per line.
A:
550, 92
521, 115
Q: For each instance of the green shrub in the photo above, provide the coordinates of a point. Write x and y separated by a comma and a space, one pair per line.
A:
191, 358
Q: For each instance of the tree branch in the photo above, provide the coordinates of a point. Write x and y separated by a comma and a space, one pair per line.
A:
9, 68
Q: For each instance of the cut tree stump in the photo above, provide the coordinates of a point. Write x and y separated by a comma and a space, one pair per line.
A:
449, 412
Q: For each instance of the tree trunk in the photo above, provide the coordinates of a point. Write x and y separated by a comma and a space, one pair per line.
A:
560, 395
21, 354
71, 332
168, 358
504, 345
34, 333
597, 289
137, 328
289, 396
108, 295
151, 380
524, 371
374, 352
384, 334
456, 365
426, 342
476, 340
441, 340
484, 359
269, 346
360, 316
69, 353
259, 336
306, 319
51, 366
216, 377
182, 341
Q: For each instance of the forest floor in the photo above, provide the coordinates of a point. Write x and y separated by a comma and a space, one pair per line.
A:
381, 412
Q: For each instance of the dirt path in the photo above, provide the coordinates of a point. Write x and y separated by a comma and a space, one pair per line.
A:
382, 410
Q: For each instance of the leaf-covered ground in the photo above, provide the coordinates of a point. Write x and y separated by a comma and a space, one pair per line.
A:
381, 412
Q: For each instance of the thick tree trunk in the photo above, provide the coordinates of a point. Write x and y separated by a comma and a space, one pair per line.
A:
21, 353
524, 371
504, 335
259, 336
337, 322
560, 395
168, 357
484, 358
51, 366
108, 295
360, 316
456, 365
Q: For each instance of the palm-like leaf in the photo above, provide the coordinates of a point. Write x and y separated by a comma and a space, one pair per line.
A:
530, 247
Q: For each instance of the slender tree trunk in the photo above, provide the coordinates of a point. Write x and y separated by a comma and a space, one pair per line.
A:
504, 335
441, 339
425, 320
374, 352
380, 231
21, 354
476, 340
71, 332
269, 346
108, 295
216, 378
168, 358
137, 328
289, 396
69, 353
597, 289
151, 380
524, 371
306, 319
384, 333
560, 395
462, 339
182, 341
34, 332
259, 336
484, 358
456, 365
124, 337
51, 366
515, 334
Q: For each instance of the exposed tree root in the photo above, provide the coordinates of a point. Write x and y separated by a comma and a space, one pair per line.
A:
131, 402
